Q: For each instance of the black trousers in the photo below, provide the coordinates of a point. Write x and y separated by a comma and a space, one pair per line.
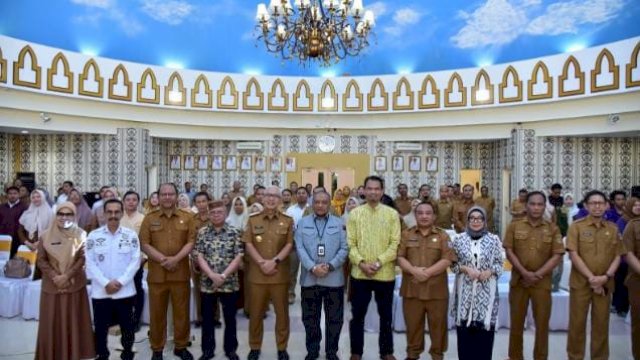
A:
475, 343
361, 296
139, 301
104, 310
313, 300
208, 303
621, 294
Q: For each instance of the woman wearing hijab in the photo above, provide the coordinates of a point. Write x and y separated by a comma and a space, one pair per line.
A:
410, 219
351, 204
83, 211
64, 329
239, 214
35, 220
475, 295
570, 207
338, 203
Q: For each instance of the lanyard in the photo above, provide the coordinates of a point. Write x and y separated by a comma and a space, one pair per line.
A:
321, 234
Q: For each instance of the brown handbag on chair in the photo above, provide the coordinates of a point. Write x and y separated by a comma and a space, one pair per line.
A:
17, 268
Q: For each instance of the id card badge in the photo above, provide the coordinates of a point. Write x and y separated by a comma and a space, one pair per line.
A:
320, 249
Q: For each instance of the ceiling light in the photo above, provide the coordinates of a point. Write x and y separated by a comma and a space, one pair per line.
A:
575, 47
484, 63
252, 72
328, 74
324, 31
175, 96
89, 51
174, 65
24, 131
404, 71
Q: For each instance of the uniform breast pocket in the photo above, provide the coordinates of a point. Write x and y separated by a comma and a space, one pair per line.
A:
181, 226
545, 244
413, 252
520, 240
587, 245
434, 252
124, 254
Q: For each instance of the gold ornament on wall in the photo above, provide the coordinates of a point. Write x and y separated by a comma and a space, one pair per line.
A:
510, 72
113, 81
546, 78
201, 81
633, 64
612, 68
227, 82
352, 87
19, 65
84, 76
327, 102
455, 77
482, 95
573, 62
147, 75
309, 96
376, 86
3, 68
430, 82
278, 90
53, 71
253, 86
171, 95
403, 86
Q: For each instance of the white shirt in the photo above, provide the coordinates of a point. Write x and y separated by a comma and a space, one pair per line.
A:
112, 256
296, 212
62, 198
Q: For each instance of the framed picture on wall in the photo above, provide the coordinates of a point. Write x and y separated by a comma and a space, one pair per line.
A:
380, 163
276, 163
290, 164
245, 162
231, 163
397, 163
415, 163
189, 162
261, 163
203, 162
432, 163
175, 162
216, 162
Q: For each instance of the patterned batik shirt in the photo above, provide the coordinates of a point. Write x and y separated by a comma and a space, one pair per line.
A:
219, 248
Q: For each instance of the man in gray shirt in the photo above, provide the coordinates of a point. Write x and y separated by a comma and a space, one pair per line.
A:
322, 248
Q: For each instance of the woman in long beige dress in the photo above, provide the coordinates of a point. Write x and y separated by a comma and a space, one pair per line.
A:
64, 330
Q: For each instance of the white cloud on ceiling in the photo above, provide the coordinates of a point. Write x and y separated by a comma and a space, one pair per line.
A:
170, 12
560, 18
103, 4
402, 19
379, 8
499, 22
108, 9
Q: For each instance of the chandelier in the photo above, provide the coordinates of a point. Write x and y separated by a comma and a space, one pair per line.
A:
325, 31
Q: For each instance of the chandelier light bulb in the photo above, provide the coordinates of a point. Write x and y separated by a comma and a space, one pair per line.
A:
322, 31
357, 8
369, 18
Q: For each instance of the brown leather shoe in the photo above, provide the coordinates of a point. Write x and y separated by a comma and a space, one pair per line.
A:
355, 357
388, 357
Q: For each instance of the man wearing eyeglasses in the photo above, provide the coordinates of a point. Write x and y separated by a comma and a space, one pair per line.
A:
595, 248
168, 236
268, 241
534, 247
113, 257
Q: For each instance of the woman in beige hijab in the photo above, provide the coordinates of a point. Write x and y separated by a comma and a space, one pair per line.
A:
64, 329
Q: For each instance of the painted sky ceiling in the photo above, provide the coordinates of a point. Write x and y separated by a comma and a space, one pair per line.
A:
411, 35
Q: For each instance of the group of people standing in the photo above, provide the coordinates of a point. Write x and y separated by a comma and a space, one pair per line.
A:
350, 246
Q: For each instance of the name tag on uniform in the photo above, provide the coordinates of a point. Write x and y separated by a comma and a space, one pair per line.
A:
320, 249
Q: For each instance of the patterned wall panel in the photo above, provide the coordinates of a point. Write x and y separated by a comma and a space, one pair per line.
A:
89, 160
